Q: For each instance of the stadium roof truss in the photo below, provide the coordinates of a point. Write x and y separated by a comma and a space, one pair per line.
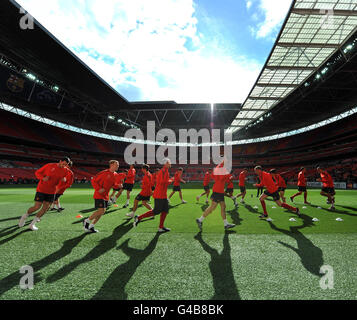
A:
313, 31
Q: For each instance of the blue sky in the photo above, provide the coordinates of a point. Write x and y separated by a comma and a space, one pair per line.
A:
188, 51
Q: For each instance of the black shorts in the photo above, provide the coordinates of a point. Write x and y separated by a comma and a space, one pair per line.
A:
161, 205
275, 195
140, 197
44, 197
242, 189
328, 190
128, 186
229, 190
302, 189
57, 196
206, 188
281, 189
177, 188
100, 203
217, 197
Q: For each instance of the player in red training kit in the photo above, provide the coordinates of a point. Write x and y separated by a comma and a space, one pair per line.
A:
154, 176
161, 205
328, 187
280, 182
229, 191
177, 188
145, 193
49, 175
118, 187
62, 187
129, 184
102, 183
206, 181
271, 191
243, 190
221, 177
301, 186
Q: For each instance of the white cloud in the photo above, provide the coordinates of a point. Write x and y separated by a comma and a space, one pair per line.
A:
132, 44
273, 14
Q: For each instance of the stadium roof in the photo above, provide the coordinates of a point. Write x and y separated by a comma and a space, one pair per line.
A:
313, 31
81, 97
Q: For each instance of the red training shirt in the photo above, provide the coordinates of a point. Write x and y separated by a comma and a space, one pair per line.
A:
63, 186
103, 180
326, 179
119, 178
280, 182
130, 178
219, 179
55, 174
177, 178
242, 179
207, 179
266, 180
162, 183
301, 179
146, 185
230, 182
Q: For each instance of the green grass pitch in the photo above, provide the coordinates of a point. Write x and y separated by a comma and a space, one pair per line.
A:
255, 260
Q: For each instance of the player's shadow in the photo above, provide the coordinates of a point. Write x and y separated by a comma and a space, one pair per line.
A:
9, 230
87, 210
104, 246
237, 220
13, 279
251, 209
10, 219
336, 211
114, 287
346, 207
2, 235
204, 207
175, 206
310, 255
221, 269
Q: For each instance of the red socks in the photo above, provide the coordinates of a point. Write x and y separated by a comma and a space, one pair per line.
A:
151, 214
305, 197
264, 207
162, 219
286, 206
146, 215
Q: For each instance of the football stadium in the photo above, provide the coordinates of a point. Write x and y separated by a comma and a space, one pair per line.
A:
103, 197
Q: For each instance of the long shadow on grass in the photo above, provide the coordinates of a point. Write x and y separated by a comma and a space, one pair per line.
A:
87, 210
104, 246
10, 230
80, 221
13, 279
336, 211
114, 287
221, 269
310, 255
346, 207
251, 209
237, 220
